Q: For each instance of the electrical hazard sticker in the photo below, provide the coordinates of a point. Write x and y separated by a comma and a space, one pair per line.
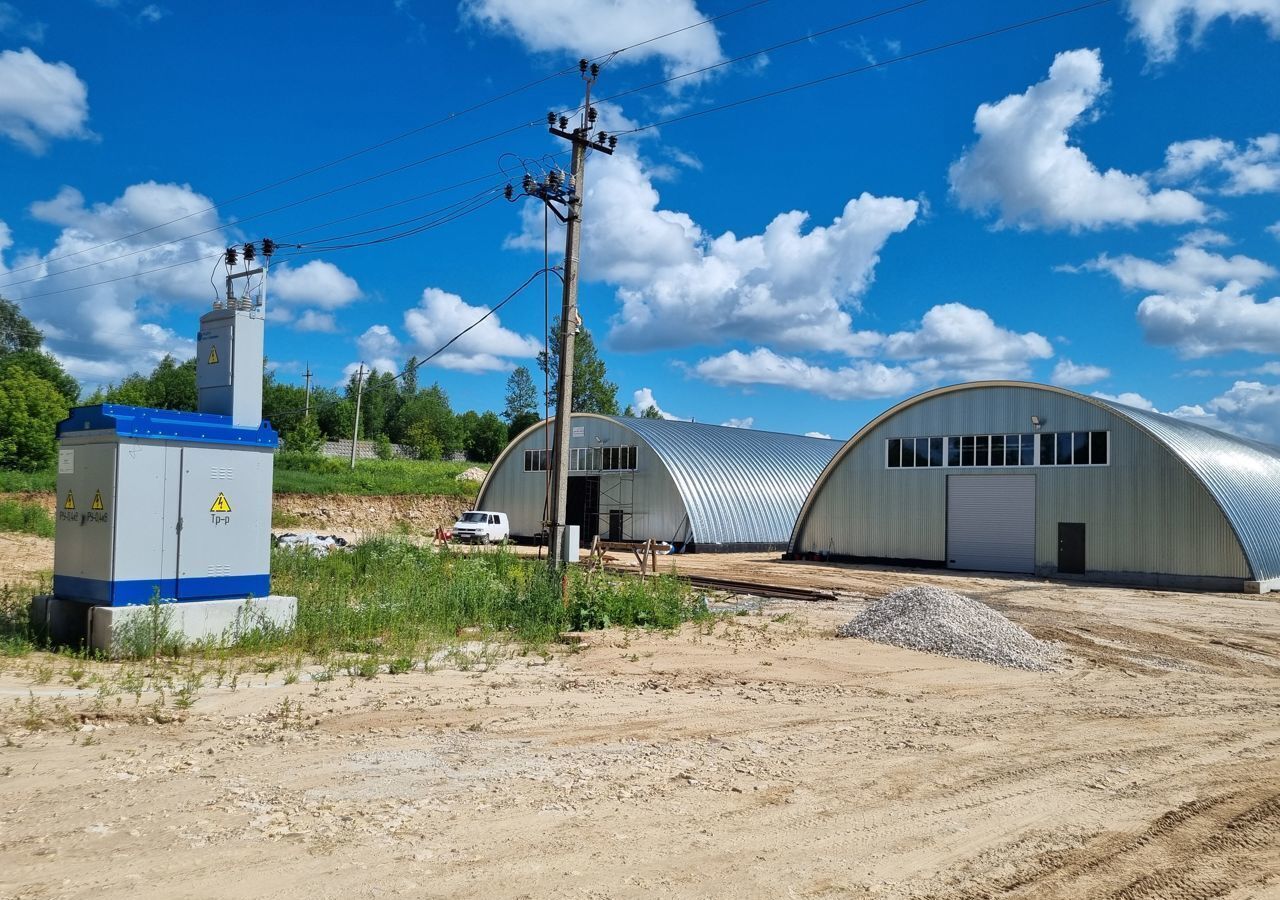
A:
70, 502
97, 501
213, 355
221, 504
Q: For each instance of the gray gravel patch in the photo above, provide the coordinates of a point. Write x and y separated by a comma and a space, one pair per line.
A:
936, 620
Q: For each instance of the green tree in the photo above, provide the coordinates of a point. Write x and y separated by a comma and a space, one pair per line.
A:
409, 381
486, 438
172, 385
40, 363
520, 423
429, 408
283, 404
423, 440
522, 396
651, 412
592, 391
16, 331
304, 437
30, 410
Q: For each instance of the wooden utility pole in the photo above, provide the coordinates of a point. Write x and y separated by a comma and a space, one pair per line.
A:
581, 140
307, 412
355, 429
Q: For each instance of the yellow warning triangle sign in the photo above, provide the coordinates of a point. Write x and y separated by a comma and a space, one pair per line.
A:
97, 501
221, 504
213, 355
70, 502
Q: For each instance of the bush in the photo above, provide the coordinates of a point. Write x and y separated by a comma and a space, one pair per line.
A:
30, 410
382, 447
27, 518
390, 597
303, 439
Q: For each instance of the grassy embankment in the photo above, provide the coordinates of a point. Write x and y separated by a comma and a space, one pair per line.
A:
394, 603
314, 475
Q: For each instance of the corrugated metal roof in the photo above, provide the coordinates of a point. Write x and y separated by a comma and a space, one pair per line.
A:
740, 486
1242, 475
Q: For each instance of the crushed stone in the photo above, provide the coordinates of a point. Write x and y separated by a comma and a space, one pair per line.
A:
936, 620
475, 473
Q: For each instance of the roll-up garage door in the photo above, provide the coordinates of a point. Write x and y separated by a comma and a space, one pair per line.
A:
991, 522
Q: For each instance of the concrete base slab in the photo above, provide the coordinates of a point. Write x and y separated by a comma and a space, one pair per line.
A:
115, 630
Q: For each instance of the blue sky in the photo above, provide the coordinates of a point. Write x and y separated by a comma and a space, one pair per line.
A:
1089, 201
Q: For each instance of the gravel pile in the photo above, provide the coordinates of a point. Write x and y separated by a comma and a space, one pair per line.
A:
936, 620
475, 473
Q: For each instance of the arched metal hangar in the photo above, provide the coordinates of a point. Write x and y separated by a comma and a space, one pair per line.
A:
702, 487
1017, 477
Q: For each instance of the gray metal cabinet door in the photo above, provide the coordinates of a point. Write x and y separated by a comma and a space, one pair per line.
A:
226, 518
991, 522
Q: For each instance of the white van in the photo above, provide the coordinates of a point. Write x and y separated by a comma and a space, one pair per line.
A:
481, 527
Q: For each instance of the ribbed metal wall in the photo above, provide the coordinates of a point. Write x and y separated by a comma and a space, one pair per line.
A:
717, 486
1146, 512
739, 485
1242, 475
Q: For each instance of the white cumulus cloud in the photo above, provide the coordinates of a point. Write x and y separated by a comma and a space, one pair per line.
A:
1190, 270
955, 340
818, 434
1250, 169
487, 347
123, 281
794, 285
40, 101
1216, 320
317, 283
744, 422
379, 349
1070, 374
1200, 302
1025, 168
643, 399
1161, 24
859, 380
583, 26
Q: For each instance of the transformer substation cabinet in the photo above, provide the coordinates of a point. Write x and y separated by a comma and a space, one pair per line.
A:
175, 507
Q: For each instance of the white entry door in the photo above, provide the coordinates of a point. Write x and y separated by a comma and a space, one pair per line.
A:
991, 522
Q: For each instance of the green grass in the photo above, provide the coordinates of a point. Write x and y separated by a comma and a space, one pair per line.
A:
27, 518
309, 475
390, 598
13, 481
16, 638
296, 474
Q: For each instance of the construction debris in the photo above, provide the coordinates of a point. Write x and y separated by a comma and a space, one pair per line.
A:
475, 473
317, 544
936, 620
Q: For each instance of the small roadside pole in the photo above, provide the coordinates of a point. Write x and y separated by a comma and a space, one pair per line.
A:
355, 429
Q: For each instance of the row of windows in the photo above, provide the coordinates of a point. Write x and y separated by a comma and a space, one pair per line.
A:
1063, 448
586, 459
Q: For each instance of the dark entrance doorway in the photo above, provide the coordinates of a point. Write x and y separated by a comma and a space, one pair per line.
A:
1071, 548
583, 506
615, 525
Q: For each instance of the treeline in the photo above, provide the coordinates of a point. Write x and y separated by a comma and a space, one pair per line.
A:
36, 393
393, 410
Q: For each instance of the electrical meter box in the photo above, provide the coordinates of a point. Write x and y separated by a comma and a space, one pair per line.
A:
161, 504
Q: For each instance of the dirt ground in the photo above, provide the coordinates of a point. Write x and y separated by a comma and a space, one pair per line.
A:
763, 757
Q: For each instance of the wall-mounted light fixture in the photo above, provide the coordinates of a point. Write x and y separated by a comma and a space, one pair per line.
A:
1036, 423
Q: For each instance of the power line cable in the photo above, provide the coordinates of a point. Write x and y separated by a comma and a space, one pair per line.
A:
426, 359
806, 37
396, 138
1004, 29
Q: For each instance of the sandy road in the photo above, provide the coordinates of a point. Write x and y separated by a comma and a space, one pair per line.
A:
761, 758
